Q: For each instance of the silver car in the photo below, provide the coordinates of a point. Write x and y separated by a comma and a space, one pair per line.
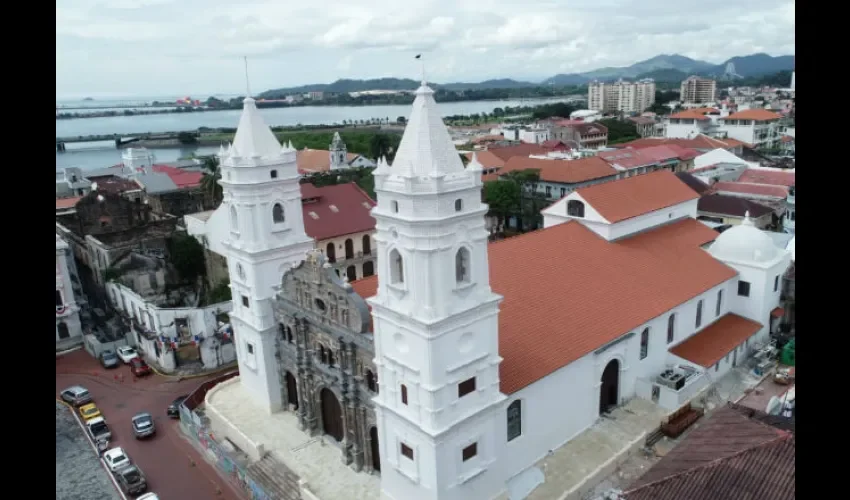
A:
143, 425
76, 395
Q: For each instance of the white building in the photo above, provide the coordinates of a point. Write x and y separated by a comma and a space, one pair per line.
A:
789, 219
621, 96
758, 127
698, 91
622, 292
69, 332
793, 80
262, 198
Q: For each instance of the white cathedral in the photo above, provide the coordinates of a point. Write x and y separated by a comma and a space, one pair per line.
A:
490, 355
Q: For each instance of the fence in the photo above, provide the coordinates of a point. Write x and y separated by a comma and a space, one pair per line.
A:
192, 425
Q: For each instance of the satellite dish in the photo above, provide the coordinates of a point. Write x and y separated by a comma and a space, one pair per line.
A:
94, 186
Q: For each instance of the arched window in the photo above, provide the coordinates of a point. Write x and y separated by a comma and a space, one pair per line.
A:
514, 420
575, 208
671, 328
458, 205
367, 245
323, 355
462, 266
699, 314
234, 220
396, 267
371, 381
273, 174
644, 343
403, 393
277, 213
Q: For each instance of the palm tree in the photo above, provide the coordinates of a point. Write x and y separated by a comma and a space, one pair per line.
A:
209, 184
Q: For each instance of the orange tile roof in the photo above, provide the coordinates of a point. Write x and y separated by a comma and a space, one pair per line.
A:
522, 149
626, 198
557, 306
562, 171
316, 160
487, 159
66, 203
699, 142
694, 114
488, 138
734, 143
758, 115
717, 340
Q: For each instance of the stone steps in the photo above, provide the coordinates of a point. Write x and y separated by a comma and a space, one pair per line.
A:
270, 475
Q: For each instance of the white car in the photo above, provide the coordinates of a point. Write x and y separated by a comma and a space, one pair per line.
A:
127, 353
116, 458
148, 496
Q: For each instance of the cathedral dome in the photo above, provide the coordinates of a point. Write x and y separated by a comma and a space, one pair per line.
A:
745, 244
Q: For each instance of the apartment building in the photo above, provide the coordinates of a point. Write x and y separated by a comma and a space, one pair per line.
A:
696, 90
621, 96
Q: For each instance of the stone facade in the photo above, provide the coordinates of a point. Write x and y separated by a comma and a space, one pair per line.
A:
325, 357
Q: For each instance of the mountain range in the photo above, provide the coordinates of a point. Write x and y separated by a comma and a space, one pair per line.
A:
662, 68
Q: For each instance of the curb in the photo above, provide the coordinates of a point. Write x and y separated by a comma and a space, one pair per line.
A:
222, 369
94, 448
68, 351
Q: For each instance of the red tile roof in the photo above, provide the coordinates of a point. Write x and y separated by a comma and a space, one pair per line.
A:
749, 188
66, 203
716, 340
695, 114
352, 213
777, 312
652, 155
182, 178
701, 142
571, 280
523, 149
562, 171
553, 144
758, 115
729, 455
113, 184
626, 198
316, 160
776, 178
731, 206
487, 159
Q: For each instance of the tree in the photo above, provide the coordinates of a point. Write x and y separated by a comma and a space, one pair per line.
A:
187, 138
187, 256
209, 183
529, 199
503, 198
402, 120
380, 145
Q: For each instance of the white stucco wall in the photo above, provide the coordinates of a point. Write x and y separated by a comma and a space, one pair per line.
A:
68, 313
685, 130
716, 156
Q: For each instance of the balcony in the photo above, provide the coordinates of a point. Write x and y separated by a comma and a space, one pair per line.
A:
673, 387
356, 258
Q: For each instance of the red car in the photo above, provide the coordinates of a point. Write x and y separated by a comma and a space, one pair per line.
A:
139, 367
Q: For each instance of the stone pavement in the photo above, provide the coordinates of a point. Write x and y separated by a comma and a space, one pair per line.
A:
316, 460
79, 474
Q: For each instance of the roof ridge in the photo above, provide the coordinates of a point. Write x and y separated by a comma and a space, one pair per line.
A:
714, 462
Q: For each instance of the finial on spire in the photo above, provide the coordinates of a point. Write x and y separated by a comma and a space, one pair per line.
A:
247, 79
422, 65
747, 220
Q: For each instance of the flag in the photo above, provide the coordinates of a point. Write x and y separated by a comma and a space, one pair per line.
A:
418, 56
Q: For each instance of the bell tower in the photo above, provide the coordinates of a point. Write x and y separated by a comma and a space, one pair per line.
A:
262, 197
435, 320
338, 153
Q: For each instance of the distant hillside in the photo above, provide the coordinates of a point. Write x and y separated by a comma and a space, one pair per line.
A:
668, 68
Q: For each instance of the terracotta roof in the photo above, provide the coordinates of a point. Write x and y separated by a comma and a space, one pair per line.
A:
523, 149
486, 138
66, 203
553, 143
759, 176
692, 182
732, 206
754, 114
727, 456
113, 184
695, 114
652, 155
643, 120
626, 198
352, 214
777, 312
562, 171
716, 340
735, 143
487, 159
182, 178
786, 139
749, 188
701, 142
589, 128
317, 160
570, 281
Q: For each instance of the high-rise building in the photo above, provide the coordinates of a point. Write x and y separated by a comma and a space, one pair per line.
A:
697, 90
621, 96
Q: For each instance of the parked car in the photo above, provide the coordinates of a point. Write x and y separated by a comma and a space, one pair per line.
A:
143, 425
139, 368
98, 429
148, 496
76, 395
109, 360
116, 458
131, 480
127, 353
89, 411
173, 410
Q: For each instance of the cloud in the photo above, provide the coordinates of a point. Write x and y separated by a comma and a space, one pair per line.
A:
160, 47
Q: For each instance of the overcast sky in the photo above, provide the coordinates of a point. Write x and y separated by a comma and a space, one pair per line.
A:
195, 47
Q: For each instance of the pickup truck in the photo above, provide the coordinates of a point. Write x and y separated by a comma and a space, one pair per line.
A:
98, 429
131, 480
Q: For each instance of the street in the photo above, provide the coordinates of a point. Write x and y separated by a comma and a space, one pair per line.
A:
173, 467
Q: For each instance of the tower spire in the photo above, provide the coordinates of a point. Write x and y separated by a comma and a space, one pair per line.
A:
247, 79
